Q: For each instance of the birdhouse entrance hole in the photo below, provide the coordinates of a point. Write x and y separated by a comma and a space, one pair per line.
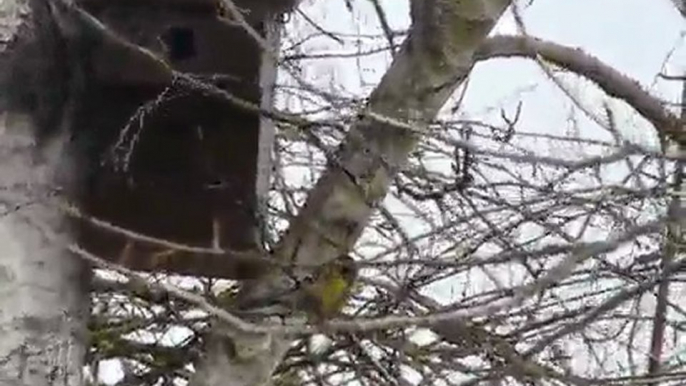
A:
195, 162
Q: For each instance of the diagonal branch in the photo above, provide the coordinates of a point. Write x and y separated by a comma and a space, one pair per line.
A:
423, 75
431, 64
614, 83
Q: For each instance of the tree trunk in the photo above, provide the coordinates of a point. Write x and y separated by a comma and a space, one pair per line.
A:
43, 299
434, 60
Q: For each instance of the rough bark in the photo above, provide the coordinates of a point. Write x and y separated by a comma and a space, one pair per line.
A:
42, 295
43, 302
433, 62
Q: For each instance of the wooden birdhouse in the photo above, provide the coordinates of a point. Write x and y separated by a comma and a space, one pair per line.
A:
163, 156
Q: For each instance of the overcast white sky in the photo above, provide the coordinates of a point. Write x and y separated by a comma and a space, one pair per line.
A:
634, 36
640, 38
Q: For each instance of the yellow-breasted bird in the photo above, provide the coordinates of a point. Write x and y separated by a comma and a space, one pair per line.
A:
320, 297
327, 293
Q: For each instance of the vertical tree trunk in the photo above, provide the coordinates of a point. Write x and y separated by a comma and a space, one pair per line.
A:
43, 302
42, 295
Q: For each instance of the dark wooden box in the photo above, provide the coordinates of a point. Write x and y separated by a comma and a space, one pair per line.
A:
165, 159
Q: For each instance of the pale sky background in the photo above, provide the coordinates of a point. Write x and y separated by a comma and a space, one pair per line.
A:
634, 36
641, 38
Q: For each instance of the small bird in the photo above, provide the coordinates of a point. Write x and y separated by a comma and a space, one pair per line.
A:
320, 297
326, 295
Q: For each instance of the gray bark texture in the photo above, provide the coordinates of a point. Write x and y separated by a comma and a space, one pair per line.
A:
680, 6
42, 294
433, 62
43, 297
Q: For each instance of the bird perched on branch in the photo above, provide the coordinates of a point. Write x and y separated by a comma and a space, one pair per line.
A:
320, 297
326, 295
